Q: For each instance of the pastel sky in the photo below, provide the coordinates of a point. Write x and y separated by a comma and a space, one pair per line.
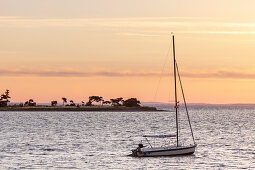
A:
51, 49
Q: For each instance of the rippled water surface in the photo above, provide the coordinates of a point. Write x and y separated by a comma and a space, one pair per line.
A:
102, 140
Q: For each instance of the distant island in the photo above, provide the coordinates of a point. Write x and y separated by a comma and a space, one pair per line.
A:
117, 104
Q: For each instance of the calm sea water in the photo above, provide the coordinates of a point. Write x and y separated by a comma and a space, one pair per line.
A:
102, 140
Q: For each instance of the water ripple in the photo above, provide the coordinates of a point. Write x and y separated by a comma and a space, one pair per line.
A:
102, 140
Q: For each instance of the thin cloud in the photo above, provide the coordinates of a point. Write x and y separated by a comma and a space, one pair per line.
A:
195, 25
221, 75
75, 73
193, 74
218, 32
140, 34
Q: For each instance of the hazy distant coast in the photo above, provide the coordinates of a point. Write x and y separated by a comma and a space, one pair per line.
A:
82, 108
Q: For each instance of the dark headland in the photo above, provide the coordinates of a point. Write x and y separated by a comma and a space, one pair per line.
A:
81, 108
115, 104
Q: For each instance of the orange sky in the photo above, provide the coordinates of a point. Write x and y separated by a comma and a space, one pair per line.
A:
118, 48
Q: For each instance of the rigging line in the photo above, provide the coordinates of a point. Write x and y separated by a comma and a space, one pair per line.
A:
185, 103
156, 92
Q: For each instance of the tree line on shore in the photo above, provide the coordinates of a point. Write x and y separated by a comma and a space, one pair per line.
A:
131, 102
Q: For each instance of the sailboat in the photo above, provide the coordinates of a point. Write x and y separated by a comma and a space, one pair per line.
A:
177, 149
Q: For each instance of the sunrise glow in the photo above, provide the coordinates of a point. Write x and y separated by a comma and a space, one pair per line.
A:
74, 49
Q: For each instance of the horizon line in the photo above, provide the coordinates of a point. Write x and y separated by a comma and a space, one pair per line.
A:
191, 103
218, 74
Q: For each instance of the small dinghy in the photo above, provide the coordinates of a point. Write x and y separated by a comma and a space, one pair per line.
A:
176, 149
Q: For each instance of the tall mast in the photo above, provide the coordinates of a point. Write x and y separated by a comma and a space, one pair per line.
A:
176, 102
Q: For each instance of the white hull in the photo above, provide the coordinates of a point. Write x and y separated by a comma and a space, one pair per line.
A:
165, 151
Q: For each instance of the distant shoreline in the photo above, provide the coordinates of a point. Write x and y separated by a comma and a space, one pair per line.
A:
81, 108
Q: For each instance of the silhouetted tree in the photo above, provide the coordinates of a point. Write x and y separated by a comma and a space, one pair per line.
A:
4, 99
120, 100
54, 103
64, 100
88, 103
83, 103
116, 102
6, 94
106, 102
30, 102
132, 102
95, 99
72, 103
